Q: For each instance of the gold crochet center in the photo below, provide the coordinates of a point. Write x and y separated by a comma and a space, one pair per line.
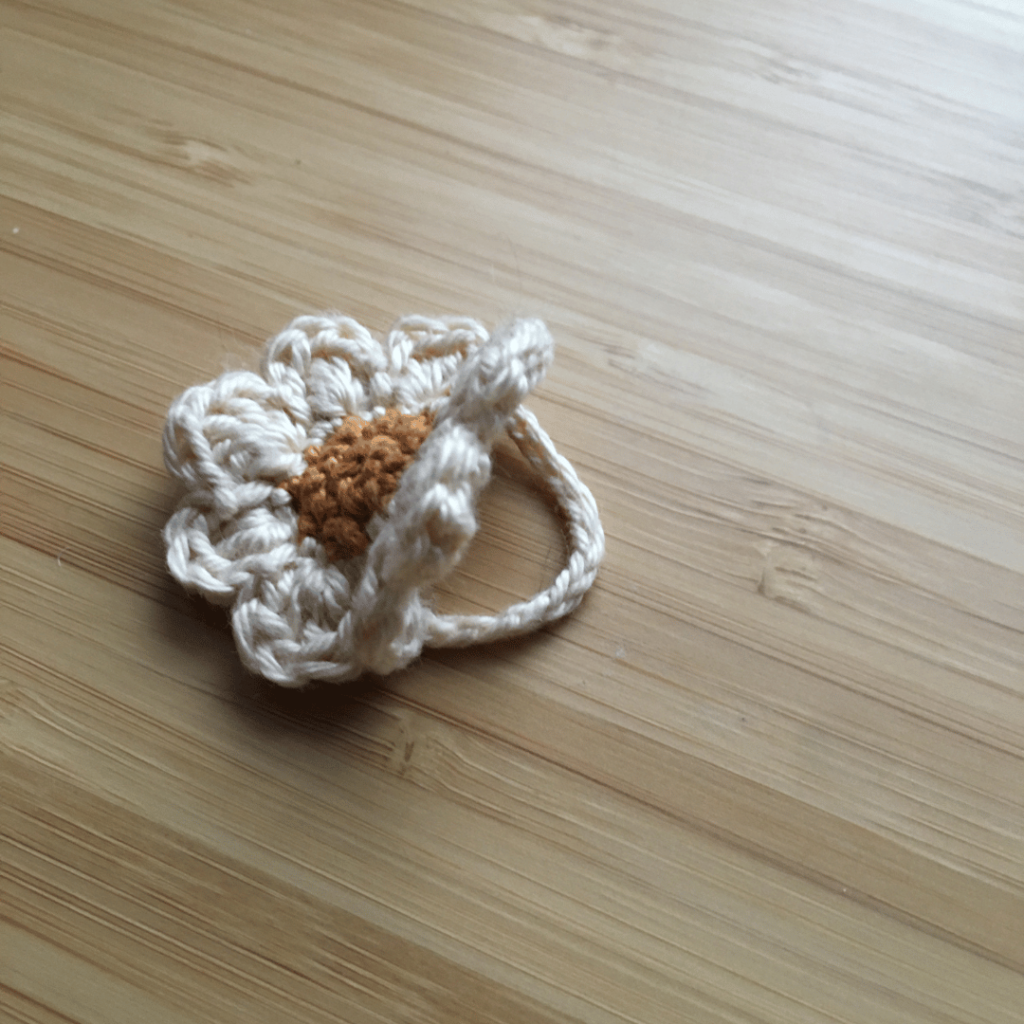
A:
352, 476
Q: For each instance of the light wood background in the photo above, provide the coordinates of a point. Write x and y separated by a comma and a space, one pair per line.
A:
773, 769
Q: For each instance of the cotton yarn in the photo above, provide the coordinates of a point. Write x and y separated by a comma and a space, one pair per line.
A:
238, 443
350, 479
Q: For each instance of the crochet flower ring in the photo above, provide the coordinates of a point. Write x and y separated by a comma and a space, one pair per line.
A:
324, 495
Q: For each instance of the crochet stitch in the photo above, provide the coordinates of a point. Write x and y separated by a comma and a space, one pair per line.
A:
324, 495
352, 477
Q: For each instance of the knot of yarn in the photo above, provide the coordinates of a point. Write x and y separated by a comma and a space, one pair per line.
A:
351, 477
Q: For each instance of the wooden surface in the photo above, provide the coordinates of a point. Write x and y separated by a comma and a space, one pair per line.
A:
773, 769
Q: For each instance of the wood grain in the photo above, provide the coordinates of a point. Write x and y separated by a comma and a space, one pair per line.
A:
773, 769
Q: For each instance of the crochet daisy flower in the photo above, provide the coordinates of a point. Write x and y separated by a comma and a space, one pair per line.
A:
325, 493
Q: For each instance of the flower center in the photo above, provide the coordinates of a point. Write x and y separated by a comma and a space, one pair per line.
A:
352, 476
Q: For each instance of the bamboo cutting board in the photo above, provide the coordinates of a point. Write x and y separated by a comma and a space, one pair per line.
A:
772, 770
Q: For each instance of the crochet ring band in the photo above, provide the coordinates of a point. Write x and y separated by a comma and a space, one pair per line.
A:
585, 548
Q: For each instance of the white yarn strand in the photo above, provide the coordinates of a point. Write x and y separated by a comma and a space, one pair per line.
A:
297, 616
